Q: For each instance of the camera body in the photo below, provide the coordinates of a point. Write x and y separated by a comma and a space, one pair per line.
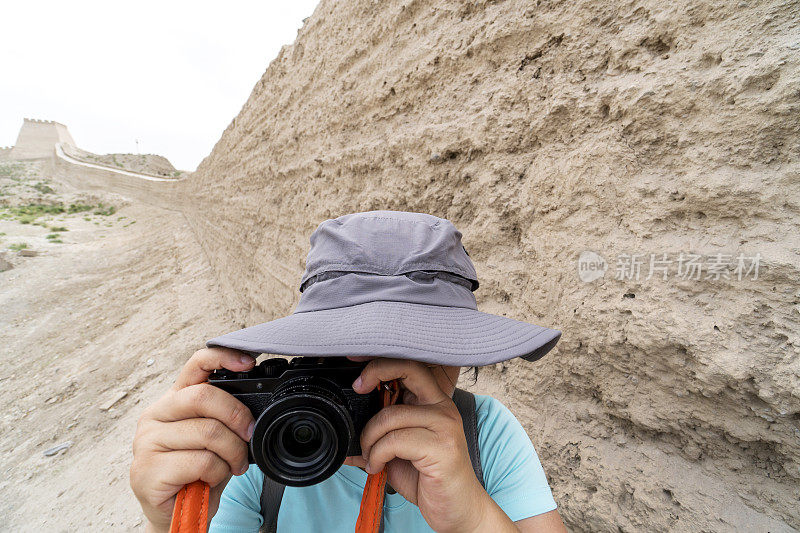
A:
308, 417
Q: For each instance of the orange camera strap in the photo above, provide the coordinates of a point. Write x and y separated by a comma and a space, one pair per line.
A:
190, 514
369, 517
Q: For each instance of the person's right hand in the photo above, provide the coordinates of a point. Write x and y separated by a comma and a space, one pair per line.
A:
195, 431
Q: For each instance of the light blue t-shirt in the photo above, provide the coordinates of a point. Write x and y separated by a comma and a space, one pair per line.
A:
512, 472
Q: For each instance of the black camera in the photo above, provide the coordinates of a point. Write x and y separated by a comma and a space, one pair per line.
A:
308, 417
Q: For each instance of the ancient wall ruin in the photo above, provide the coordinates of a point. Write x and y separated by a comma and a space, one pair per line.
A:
37, 139
144, 188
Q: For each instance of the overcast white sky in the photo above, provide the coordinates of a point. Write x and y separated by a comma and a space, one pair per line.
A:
171, 74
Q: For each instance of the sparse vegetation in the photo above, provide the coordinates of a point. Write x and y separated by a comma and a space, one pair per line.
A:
107, 211
58, 228
42, 188
35, 210
79, 208
52, 236
28, 214
17, 246
15, 171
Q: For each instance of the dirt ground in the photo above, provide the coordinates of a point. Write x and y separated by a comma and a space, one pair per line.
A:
91, 331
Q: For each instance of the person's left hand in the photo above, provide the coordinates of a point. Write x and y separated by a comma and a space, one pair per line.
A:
421, 442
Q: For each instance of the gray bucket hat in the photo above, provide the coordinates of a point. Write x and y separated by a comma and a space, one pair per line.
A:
392, 284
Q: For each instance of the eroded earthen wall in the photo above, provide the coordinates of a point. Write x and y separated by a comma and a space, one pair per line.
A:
543, 130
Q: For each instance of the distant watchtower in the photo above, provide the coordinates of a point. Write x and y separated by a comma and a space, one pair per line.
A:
37, 139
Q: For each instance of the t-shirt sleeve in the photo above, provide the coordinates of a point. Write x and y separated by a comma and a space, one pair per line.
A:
511, 469
240, 504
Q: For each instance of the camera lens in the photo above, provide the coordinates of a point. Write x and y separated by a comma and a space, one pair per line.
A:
302, 433
302, 436
301, 439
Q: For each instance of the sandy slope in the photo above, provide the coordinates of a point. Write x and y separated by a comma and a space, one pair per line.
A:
77, 326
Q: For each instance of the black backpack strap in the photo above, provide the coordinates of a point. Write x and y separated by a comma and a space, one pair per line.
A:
465, 402
271, 496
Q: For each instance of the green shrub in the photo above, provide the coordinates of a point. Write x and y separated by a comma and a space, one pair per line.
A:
17, 246
108, 211
42, 188
58, 228
79, 208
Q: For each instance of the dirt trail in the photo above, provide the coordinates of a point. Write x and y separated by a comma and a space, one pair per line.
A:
78, 325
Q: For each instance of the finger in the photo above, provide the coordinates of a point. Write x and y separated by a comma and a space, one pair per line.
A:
203, 434
355, 460
411, 444
205, 401
203, 362
415, 377
176, 469
402, 416
359, 358
404, 478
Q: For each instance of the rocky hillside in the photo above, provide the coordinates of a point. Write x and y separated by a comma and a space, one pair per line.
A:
544, 130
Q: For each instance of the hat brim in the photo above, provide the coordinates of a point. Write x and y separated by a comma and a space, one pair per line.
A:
454, 336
